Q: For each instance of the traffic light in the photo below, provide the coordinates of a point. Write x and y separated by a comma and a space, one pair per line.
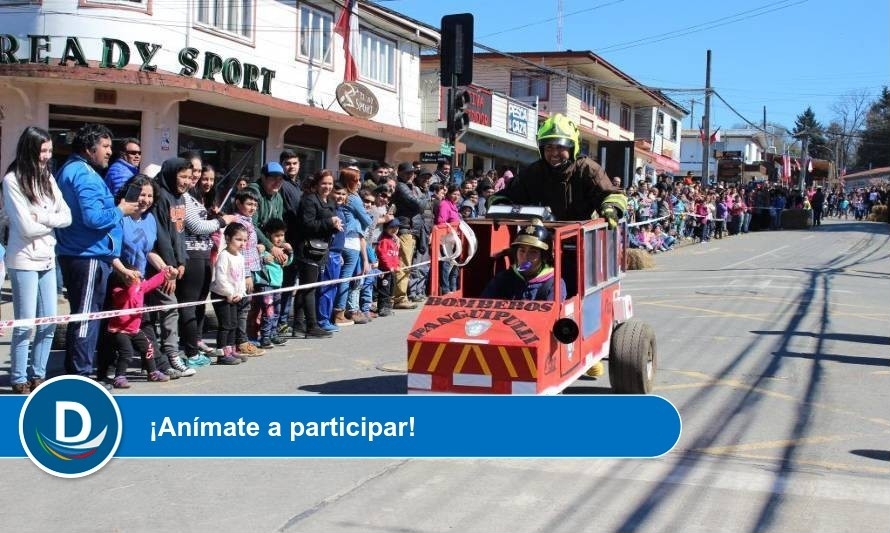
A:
456, 50
459, 119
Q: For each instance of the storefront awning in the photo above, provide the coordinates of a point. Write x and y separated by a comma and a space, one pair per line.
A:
491, 147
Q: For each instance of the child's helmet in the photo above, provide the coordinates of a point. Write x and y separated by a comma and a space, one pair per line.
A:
534, 235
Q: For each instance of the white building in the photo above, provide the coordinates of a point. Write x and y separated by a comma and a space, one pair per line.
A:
237, 79
750, 145
605, 102
502, 131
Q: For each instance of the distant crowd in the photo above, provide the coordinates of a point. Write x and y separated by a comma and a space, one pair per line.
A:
686, 210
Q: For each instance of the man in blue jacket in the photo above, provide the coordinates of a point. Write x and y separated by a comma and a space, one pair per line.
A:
126, 166
86, 248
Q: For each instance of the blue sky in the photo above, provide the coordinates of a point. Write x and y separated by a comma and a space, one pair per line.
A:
785, 55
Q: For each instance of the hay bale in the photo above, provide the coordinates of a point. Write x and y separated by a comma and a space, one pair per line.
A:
797, 218
639, 259
878, 214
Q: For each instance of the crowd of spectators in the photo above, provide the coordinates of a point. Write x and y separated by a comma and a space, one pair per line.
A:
118, 235
670, 211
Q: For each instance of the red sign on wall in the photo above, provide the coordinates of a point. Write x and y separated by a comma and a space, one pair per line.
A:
479, 107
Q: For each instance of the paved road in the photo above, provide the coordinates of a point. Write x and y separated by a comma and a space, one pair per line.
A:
773, 346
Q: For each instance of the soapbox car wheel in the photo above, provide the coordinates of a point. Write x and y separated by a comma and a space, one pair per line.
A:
632, 358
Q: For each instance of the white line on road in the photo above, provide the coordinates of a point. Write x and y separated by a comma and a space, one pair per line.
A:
727, 267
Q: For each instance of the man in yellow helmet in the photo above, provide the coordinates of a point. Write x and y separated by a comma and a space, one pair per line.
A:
573, 187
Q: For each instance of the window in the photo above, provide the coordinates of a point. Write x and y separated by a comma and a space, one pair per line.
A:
377, 59
603, 106
675, 130
659, 123
525, 84
624, 119
234, 17
135, 5
588, 97
315, 35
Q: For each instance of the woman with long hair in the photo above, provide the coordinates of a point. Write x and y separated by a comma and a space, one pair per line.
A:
355, 259
318, 223
35, 207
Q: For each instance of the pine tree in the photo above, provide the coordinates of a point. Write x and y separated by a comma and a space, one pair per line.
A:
806, 123
874, 148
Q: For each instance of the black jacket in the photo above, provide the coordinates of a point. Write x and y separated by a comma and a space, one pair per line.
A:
573, 193
169, 212
315, 220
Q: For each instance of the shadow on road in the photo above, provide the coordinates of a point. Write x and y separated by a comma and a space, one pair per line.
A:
389, 384
733, 420
880, 455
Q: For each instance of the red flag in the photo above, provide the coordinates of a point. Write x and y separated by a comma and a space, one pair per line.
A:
786, 167
715, 137
347, 24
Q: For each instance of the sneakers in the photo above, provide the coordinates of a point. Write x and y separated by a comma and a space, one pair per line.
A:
204, 348
250, 350
318, 333
418, 298
327, 326
120, 382
384, 311
197, 361
177, 363
228, 360
266, 342
172, 373
404, 305
159, 376
278, 341
285, 331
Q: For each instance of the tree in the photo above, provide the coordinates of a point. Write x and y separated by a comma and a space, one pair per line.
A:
849, 120
806, 124
874, 146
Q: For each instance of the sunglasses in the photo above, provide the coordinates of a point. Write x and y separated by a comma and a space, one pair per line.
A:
134, 152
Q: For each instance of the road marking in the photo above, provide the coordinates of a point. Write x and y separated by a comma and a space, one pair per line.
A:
737, 263
774, 444
830, 465
740, 385
712, 312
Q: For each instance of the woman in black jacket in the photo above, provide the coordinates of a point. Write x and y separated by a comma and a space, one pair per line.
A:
318, 223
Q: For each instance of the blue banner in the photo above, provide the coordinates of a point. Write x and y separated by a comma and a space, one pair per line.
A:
366, 426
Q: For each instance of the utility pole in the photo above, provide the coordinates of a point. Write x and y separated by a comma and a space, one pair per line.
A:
804, 160
706, 126
691, 113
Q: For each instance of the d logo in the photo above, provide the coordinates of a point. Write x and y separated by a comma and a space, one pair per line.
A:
70, 427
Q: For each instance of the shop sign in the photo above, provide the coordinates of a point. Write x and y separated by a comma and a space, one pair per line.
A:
430, 157
357, 100
517, 119
116, 55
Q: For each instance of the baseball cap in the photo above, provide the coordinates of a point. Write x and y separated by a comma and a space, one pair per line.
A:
272, 168
406, 167
394, 223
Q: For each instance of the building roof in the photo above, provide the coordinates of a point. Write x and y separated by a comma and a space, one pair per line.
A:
579, 60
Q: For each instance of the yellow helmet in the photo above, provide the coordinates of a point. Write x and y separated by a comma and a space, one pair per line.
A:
561, 131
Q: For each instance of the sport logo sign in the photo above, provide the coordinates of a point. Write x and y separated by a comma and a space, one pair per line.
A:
70, 426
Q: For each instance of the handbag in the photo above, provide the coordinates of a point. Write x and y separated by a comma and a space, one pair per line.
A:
315, 249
